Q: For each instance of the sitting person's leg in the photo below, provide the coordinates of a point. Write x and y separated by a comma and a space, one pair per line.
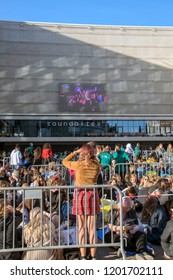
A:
136, 243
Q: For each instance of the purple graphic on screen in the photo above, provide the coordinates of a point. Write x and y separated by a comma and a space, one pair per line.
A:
82, 97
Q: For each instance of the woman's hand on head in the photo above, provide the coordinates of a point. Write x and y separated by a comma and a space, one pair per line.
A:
78, 151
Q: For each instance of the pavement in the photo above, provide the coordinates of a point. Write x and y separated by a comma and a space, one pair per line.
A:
109, 253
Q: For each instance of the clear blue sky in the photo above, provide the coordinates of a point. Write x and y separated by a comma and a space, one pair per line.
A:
106, 12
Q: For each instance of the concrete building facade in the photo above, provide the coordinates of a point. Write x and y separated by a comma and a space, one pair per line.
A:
128, 69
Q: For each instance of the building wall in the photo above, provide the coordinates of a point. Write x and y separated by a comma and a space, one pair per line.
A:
135, 63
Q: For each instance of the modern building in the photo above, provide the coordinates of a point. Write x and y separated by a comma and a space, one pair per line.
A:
66, 83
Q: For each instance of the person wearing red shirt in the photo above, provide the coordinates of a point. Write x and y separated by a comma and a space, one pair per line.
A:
47, 153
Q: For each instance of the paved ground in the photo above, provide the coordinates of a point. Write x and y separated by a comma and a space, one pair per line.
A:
107, 253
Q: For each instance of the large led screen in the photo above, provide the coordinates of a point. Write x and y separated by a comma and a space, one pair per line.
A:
82, 97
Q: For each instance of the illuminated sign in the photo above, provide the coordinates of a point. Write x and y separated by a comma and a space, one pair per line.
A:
82, 98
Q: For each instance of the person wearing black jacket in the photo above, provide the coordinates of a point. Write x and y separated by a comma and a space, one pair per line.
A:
10, 221
156, 217
167, 236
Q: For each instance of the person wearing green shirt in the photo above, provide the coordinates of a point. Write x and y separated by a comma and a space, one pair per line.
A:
31, 149
105, 159
120, 157
137, 151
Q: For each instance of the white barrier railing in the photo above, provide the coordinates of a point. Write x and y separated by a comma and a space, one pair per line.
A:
141, 169
52, 170
36, 197
5, 161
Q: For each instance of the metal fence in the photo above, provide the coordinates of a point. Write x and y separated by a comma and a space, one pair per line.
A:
50, 170
141, 169
67, 225
5, 161
150, 169
145, 154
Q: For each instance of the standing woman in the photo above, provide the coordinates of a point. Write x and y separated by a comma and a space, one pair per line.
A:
86, 203
37, 160
47, 153
169, 152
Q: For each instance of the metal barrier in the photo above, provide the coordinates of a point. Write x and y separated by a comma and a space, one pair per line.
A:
145, 154
52, 170
1, 162
66, 234
156, 168
107, 172
141, 169
6, 161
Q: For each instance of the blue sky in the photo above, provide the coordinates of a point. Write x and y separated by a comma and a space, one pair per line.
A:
104, 12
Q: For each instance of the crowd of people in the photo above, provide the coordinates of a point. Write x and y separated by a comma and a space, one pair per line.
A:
147, 201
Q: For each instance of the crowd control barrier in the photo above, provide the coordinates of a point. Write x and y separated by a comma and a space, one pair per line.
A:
52, 169
62, 224
141, 169
5, 161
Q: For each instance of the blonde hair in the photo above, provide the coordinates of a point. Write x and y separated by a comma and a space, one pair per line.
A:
117, 177
39, 229
143, 179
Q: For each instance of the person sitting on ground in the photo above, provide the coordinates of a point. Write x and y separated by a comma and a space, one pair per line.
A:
134, 180
39, 232
155, 217
144, 189
167, 235
4, 174
111, 192
133, 230
152, 158
132, 193
53, 200
9, 222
